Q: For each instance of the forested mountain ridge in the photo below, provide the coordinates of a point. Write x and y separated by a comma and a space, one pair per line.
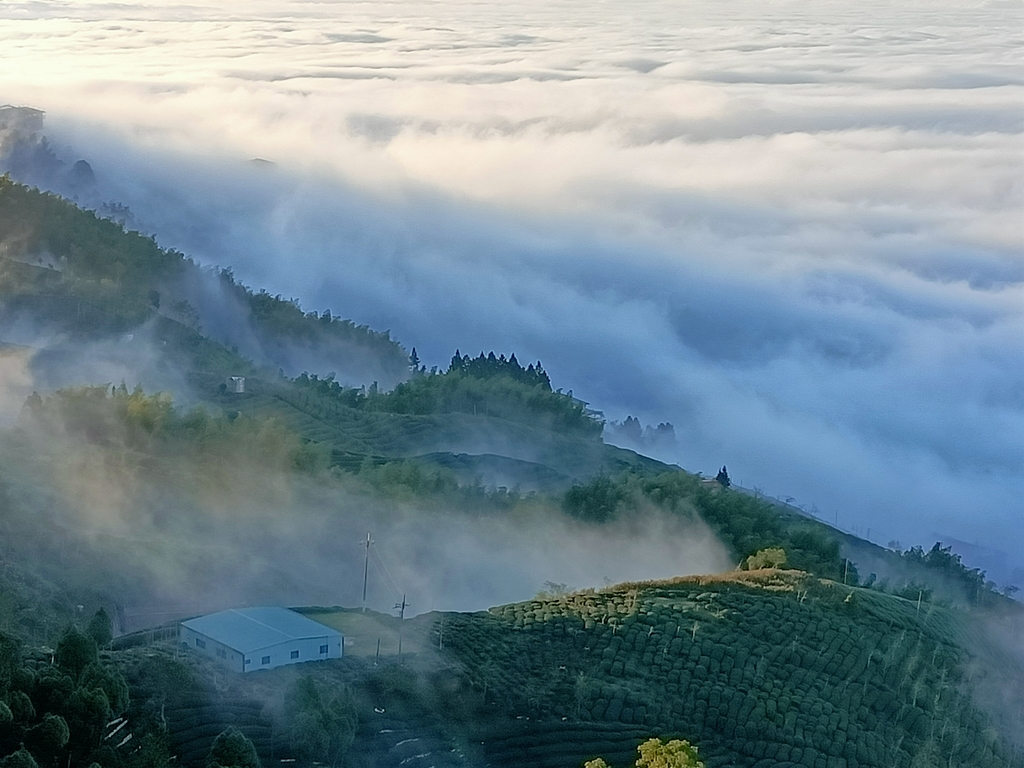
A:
484, 386
485, 419
86, 277
116, 280
112, 495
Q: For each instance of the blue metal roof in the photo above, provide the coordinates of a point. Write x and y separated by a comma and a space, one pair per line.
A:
250, 629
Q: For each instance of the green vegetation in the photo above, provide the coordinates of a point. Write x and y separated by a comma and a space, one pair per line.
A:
486, 386
747, 525
756, 668
91, 277
231, 749
113, 417
88, 247
53, 248
88, 278
947, 565
101, 628
54, 714
276, 317
321, 728
759, 668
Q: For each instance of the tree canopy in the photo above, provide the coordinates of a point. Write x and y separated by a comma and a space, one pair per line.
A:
744, 523
231, 749
655, 753
487, 385
321, 727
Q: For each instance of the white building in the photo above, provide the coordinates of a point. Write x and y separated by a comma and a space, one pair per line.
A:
247, 639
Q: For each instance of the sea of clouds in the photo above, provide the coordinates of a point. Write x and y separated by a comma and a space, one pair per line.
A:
792, 229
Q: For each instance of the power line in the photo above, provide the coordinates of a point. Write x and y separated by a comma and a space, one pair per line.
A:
366, 568
383, 581
387, 570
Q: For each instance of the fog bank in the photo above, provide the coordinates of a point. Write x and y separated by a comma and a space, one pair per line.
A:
792, 231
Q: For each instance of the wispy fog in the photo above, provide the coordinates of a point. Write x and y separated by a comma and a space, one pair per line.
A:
167, 533
792, 230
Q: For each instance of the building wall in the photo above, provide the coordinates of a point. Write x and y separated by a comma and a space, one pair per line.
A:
282, 654
207, 646
294, 652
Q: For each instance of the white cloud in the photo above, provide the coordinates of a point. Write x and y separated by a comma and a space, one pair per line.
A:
793, 230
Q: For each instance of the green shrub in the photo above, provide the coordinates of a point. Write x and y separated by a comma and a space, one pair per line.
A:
231, 749
20, 759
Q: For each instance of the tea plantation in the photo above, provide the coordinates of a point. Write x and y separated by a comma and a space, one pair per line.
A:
768, 669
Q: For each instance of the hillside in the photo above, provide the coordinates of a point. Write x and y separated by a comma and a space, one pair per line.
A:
65, 271
90, 277
185, 494
766, 669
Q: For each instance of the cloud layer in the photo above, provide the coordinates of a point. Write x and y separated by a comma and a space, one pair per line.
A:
792, 230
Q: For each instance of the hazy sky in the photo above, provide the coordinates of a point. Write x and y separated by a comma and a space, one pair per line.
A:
793, 229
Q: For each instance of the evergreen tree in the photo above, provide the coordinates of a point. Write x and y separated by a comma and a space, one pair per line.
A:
48, 738
20, 759
320, 730
111, 682
101, 628
75, 652
231, 749
10, 662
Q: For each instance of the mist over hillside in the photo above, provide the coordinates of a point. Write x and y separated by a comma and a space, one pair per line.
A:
792, 233
606, 374
143, 487
216, 515
480, 483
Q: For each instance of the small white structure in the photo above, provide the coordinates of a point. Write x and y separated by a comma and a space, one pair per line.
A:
247, 639
236, 384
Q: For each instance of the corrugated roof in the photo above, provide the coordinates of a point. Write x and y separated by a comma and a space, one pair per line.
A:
250, 629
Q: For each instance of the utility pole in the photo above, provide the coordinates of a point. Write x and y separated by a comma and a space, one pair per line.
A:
366, 568
401, 620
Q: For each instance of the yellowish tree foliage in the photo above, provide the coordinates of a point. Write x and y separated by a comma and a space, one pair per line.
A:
772, 557
654, 753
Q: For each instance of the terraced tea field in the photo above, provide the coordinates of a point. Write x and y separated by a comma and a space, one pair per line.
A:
355, 435
766, 669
